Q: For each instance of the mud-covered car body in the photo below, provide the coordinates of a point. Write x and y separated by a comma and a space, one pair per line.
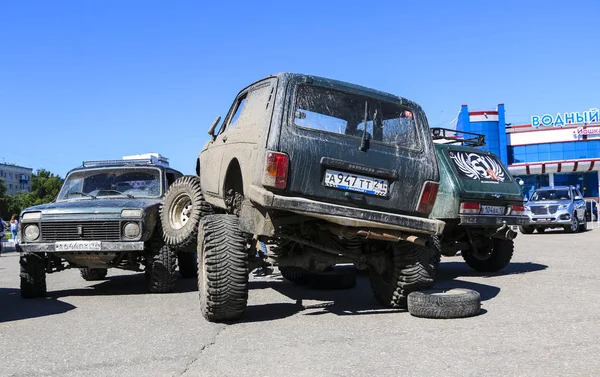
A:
305, 173
478, 199
556, 207
314, 127
105, 216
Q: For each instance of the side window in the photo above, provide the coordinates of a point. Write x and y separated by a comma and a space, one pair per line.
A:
240, 104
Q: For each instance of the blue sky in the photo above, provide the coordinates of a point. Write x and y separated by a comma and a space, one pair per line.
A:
86, 80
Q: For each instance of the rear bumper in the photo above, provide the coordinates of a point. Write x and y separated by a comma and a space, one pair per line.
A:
478, 220
345, 216
107, 247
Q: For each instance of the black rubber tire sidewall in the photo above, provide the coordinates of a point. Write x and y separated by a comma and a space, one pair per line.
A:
500, 256
443, 305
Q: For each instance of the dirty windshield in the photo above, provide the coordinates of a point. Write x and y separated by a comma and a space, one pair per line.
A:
113, 182
338, 112
550, 195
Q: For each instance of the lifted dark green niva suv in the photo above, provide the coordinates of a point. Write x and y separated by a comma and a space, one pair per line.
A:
478, 200
322, 172
105, 216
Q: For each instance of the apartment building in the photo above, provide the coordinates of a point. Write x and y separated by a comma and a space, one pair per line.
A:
15, 178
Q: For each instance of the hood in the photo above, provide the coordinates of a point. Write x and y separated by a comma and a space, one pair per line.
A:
97, 206
548, 202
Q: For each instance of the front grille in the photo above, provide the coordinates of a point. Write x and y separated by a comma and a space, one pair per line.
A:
90, 231
545, 210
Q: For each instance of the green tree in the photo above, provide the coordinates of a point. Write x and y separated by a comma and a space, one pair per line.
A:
44, 189
45, 186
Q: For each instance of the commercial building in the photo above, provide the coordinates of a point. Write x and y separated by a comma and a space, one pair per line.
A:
552, 150
15, 178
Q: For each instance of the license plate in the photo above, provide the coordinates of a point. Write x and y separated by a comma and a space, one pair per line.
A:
355, 182
78, 246
492, 210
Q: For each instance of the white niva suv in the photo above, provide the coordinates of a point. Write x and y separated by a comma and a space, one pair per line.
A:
556, 207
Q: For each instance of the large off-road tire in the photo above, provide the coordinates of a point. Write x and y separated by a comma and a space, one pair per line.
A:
162, 263
91, 274
222, 268
294, 274
437, 303
409, 267
181, 210
33, 275
526, 229
499, 254
188, 264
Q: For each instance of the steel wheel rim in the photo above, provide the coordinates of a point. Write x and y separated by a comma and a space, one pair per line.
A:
180, 211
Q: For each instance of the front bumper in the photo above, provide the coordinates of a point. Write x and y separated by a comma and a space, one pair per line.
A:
557, 218
345, 216
478, 220
106, 247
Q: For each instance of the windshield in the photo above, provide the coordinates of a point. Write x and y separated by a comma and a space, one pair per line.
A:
550, 195
110, 182
338, 112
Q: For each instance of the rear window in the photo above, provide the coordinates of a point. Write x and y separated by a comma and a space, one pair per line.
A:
334, 111
478, 166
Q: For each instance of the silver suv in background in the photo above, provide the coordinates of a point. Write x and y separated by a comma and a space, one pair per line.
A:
555, 207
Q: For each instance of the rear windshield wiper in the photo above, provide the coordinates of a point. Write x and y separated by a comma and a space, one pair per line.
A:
82, 193
117, 191
364, 143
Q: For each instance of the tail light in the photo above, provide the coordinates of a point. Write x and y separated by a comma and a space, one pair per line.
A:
276, 170
471, 208
428, 195
517, 210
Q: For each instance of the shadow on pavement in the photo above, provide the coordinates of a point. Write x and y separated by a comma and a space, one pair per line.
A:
134, 284
451, 270
356, 301
13, 307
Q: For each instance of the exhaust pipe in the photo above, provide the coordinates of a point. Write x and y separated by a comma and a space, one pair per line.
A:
382, 235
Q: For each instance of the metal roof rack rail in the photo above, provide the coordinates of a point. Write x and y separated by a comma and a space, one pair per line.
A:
150, 160
470, 139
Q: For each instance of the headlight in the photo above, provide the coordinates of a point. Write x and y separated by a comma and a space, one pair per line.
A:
31, 232
31, 216
137, 213
131, 230
563, 206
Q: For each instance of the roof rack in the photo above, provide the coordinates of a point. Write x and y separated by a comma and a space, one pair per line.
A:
147, 159
477, 140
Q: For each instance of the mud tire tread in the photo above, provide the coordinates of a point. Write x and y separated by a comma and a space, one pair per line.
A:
33, 275
222, 268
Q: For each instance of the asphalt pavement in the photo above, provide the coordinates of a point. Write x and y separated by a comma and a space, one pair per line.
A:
540, 317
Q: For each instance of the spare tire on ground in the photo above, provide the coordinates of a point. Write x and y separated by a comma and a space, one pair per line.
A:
441, 303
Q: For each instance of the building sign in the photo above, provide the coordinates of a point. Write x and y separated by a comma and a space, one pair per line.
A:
588, 131
547, 120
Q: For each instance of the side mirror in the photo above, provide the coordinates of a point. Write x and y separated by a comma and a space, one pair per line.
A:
211, 130
525, 199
